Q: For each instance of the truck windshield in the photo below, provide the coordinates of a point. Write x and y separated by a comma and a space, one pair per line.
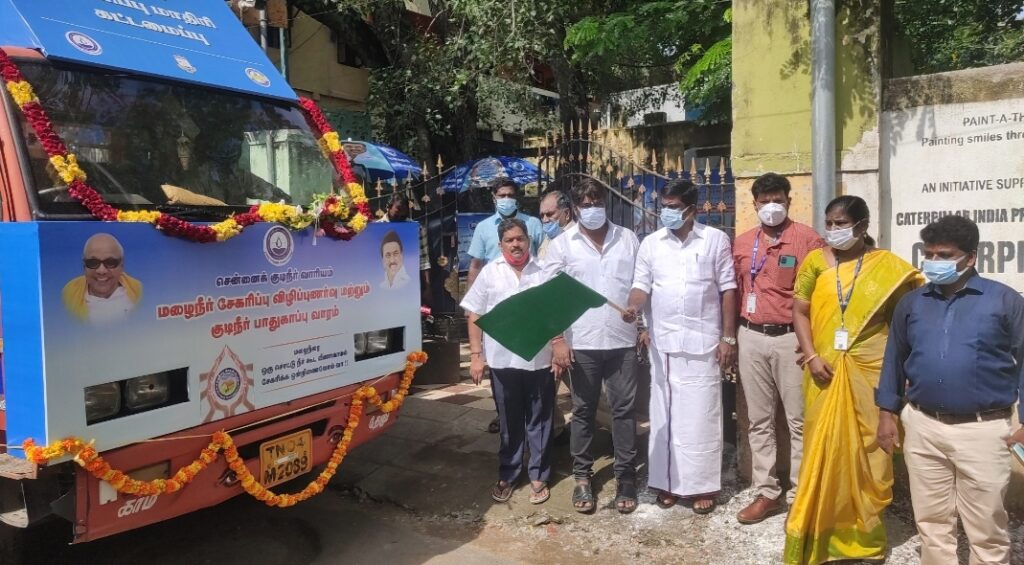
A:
145, 142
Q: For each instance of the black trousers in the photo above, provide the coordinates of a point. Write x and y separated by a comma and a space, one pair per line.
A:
616, 368
524, 400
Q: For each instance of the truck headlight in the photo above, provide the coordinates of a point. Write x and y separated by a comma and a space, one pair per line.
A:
102, 401
377, 341
145, 391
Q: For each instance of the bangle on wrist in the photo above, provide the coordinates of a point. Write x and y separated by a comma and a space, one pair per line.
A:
474, 353
808, 360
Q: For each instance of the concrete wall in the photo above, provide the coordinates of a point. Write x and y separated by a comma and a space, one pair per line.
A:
772, 99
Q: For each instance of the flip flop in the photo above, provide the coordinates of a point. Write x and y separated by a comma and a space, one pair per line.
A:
539, 495
502, 491
583, 493
625, 492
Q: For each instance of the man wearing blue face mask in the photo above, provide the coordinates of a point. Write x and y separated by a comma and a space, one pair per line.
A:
956, 354
485, 245
556, 218
685, 272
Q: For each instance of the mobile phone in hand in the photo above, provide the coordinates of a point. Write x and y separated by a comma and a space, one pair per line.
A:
1018, 451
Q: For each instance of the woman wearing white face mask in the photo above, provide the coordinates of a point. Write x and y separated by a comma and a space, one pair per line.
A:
844, 298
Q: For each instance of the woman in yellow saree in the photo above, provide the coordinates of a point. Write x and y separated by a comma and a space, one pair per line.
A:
845, 295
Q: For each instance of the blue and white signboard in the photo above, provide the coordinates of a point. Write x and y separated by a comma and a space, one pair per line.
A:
266, 317
198, 41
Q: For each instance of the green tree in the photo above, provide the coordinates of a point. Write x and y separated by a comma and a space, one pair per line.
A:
642, 43
947, 35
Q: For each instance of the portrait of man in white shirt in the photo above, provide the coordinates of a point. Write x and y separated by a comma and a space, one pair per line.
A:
391, 258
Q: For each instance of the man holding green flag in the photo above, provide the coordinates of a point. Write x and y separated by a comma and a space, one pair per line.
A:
520, 357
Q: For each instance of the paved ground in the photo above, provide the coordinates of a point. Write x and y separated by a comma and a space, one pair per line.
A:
420, 494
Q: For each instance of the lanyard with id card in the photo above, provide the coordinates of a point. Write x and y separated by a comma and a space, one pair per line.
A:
842, 338
755, 268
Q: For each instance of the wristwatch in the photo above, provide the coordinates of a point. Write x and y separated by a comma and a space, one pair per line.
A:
728, 340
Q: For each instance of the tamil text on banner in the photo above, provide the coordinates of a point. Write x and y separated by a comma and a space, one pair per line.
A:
267, 317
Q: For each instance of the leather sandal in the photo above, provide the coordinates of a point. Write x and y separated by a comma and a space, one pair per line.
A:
625, 492
583, 493
502, 491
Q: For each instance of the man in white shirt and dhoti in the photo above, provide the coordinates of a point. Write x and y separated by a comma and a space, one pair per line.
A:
685, 279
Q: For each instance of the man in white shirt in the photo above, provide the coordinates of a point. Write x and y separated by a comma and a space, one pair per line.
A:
600, 254
395, 275
685, 275
524, 390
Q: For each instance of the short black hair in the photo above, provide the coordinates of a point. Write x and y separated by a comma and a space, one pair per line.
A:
511, 223
398, 198
589, 188
390, 237
503, 182
955, 230
681, 189
768, 183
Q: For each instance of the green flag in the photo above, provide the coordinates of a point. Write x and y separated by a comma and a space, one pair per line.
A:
525, 322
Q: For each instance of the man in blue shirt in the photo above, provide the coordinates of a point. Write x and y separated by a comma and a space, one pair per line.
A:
484, 247
956, 355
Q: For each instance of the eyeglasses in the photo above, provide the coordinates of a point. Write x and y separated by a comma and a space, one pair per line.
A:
111, 263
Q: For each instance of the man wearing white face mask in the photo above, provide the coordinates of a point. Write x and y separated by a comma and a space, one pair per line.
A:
685, 270
956, 354
767, 259
600, 254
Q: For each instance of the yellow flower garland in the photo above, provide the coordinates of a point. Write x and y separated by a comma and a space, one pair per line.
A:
22, 93
88, 458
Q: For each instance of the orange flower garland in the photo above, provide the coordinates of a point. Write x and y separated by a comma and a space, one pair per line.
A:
87, 457
65, 164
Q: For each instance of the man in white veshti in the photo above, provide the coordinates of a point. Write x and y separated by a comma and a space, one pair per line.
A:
104, 293
686, 271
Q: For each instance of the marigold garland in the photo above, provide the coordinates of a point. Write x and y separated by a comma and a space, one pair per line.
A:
65, 164
89, 459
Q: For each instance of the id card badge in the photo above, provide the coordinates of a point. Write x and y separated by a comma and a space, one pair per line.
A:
751, 303
842, 342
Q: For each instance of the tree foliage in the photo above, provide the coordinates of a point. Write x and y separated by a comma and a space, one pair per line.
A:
643, 43
947, 35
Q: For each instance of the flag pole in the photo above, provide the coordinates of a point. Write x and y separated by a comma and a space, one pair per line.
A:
618, 308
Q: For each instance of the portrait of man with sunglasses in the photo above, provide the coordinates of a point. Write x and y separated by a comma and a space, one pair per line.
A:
103, 293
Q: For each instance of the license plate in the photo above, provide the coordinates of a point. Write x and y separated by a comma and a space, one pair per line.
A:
285, 458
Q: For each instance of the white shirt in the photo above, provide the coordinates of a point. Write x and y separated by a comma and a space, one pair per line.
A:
107, 310
685, 280
401, 278
496, 282
608, 272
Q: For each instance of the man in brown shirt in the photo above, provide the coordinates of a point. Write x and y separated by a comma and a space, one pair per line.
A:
767, 259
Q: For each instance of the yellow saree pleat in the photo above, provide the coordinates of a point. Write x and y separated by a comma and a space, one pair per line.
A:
845, 478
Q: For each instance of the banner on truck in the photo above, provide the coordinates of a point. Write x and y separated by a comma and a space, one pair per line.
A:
959, 159
195, 41
267, 317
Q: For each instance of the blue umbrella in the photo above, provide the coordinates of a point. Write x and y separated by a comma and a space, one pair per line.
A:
482, 171
380, 161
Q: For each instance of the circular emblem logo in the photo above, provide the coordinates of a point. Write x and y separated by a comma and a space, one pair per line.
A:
257, 77
184, 64
83, 43
277, 245
227, 383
